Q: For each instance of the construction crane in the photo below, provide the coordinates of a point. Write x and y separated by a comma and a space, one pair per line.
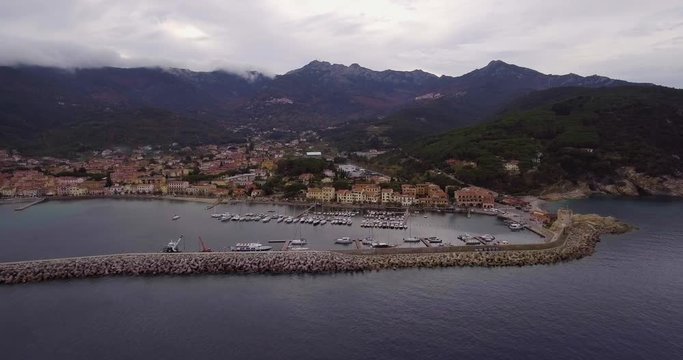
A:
202, 246
172, 246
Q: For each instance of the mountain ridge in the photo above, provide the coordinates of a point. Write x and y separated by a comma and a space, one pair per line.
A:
35, 101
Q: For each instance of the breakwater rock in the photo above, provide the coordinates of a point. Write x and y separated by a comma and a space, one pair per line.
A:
574, 241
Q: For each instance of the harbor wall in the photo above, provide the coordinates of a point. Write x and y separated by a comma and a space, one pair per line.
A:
576, 241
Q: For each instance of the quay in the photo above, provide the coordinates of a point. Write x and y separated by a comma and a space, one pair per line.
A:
573, 238
26, 206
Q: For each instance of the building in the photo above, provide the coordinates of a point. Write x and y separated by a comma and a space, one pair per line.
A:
242, 179
177, 186
473, 196
326, 193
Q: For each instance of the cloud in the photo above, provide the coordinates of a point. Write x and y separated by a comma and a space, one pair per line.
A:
618, 38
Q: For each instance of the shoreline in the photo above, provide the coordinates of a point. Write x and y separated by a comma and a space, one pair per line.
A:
573, 240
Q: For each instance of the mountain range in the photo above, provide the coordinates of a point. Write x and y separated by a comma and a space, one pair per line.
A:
50, 109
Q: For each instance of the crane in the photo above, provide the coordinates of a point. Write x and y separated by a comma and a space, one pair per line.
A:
203, 247
172, 246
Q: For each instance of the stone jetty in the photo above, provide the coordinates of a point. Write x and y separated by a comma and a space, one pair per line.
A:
574, 241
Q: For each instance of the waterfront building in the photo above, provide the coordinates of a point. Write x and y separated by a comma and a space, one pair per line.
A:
473, 196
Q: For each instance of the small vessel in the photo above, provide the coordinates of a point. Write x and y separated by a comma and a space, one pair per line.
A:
434, 240
266, 219
411, 239
504, 242
298, 242
516, 226
472, 241
381, 245
216, 216
175, 217
488, 237
344, 240
250, 247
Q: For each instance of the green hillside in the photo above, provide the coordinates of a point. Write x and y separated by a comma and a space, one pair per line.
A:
568, 134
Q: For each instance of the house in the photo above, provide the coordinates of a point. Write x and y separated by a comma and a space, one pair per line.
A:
473, 196
511, 167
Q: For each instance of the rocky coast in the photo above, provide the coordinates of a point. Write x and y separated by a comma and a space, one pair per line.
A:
574, 241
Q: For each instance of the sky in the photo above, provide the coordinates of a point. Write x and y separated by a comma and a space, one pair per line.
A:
626, 39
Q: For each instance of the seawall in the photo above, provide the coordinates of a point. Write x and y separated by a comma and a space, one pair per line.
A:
573, 242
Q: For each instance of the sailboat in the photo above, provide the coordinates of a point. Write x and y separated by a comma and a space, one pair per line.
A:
298, 240
410, 238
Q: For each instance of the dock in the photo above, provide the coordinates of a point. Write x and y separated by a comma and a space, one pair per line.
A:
285, 247
426, 242
26, 206
358, 243
215, 203
306, 211
277, 241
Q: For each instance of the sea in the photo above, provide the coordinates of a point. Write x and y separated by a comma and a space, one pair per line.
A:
623, 302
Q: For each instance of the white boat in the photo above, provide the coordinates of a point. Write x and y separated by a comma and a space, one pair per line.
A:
488, 237
175, 217
516, 226
250, 247
216, 216
411, 239
381, 245
298, 242
472, 241
266, 219
434, 240
344, 240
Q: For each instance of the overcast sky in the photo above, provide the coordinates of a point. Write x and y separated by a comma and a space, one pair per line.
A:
634, 40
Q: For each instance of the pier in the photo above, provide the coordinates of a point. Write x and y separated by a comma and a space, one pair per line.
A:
215, 203
285, 247
426, 242
26, 206
306, 211
572, 239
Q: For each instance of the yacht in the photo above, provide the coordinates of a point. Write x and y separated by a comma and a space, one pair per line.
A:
516, 226
344, 240
298, 242
250, 247
472, 241
488, 237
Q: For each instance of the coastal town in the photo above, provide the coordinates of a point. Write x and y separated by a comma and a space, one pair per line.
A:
264, 171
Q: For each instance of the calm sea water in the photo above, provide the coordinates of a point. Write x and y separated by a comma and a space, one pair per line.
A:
92, 227
624, 302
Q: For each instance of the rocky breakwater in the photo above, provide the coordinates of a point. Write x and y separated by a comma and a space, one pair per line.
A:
576, 241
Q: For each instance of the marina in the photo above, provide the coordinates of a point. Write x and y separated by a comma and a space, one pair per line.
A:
133, 226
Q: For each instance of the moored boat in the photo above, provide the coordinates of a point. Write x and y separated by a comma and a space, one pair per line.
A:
250, 247
343, 240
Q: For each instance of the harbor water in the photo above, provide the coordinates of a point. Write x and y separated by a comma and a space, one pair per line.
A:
107, 226
624, 302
